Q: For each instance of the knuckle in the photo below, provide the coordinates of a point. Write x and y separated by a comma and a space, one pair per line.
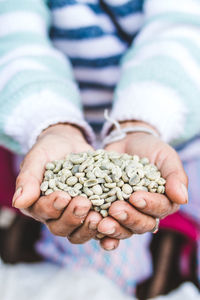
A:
117, 207
137, 224
164, 211
47, 212
122, 205
143, 228
130, 223
50, 212
81, 211
57, 230
81, 202
173, 208
123, 235
146, 226
93, 215
74, 239
38, 206
149, 225
134, 222
76, 222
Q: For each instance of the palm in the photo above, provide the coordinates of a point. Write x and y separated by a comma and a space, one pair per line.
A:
159, 153
51, 146
50, 149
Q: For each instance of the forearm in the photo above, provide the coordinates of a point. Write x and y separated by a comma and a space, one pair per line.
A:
160, 72
37, 86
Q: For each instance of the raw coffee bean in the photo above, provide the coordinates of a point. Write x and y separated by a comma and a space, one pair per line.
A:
103, 177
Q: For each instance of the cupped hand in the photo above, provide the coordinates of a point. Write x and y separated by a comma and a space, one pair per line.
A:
64, 216
140, 213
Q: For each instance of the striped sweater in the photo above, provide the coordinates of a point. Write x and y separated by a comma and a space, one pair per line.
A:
59, 57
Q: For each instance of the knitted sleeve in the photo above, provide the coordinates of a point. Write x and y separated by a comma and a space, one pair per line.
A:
37, 88
160, 75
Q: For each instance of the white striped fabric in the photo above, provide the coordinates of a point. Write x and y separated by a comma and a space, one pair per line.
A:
160, 70
91, 48
68, 17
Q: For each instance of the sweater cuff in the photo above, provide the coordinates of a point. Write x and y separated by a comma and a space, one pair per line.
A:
154, 104
38, 112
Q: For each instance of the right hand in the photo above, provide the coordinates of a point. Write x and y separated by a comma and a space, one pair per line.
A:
63, 216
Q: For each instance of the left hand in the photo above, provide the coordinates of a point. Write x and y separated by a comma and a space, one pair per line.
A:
138, 216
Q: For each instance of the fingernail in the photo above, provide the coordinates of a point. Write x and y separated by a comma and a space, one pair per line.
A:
185, 192
110, 248
122, 216
60, 203
139, 203
80, 212
93, 225
17, 194
110, 231
100, 236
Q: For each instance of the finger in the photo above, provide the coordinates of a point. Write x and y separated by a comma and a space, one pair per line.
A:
175, 189
49, 207
109, 244
110, 227
167, 161
176, 179
88, 230
73, 217
131, 218
29, 179
153, 204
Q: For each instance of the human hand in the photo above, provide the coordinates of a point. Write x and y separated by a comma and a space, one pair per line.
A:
58, 211
138, 216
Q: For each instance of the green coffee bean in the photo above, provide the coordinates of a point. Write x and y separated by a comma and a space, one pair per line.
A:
72, 180
103, 177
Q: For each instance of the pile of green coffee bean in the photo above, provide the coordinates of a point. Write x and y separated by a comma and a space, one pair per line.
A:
101, 176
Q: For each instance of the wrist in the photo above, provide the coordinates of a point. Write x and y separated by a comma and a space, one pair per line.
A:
125, 130
125, 124
65, 130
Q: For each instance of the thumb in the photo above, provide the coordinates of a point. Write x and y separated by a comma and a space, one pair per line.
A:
29, 180
176, 178
176, 189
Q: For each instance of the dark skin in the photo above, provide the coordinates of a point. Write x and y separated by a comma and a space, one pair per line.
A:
72, 218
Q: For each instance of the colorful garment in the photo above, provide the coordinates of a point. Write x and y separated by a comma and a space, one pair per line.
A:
129, 264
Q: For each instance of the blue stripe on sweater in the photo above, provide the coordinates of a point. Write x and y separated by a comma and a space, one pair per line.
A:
77, 34
97, 126
130, 7
98, 106
60, 3
53, 4
96, 62
94, 86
